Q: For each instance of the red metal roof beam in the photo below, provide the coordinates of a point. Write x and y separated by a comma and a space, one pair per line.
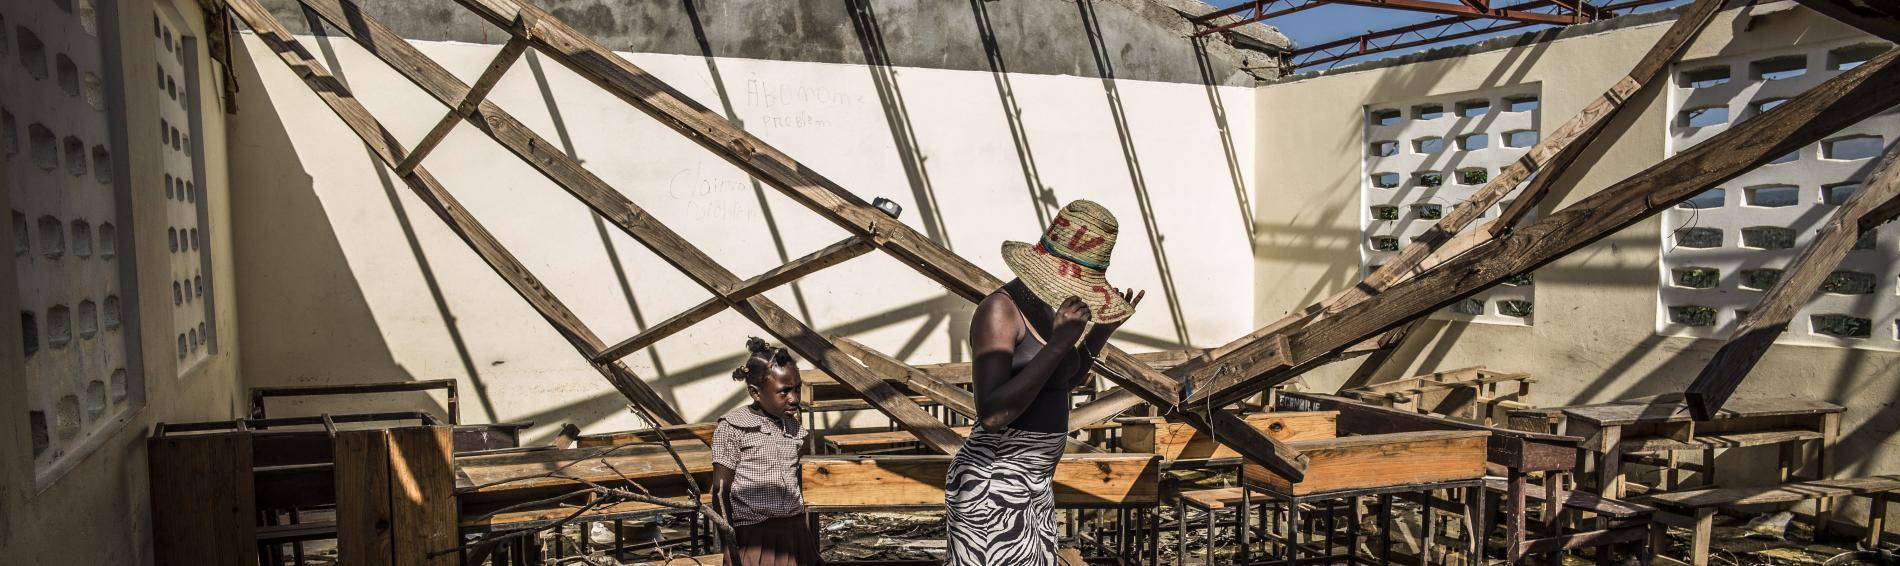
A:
1257, 15
1428, 6
1583, 8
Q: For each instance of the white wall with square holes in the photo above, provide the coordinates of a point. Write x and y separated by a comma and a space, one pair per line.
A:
182, 158
66, 213
1723, 249
1423, 157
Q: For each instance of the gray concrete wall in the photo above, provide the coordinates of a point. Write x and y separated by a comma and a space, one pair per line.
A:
1140, 39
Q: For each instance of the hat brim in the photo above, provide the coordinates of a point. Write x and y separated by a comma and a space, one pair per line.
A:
1054, 280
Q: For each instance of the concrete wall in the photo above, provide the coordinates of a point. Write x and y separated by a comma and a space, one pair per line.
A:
88, 504
1595, 334
355, 280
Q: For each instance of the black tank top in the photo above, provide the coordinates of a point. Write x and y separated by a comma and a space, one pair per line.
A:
1049, 411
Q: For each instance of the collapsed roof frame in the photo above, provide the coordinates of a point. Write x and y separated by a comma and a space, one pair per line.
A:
1466, 18
1442, 270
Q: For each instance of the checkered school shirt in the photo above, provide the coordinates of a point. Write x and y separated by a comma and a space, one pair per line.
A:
763, 454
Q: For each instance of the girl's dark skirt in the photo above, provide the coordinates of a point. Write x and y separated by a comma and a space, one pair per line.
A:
785, 541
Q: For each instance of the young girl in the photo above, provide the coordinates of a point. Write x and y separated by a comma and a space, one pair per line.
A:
755, 465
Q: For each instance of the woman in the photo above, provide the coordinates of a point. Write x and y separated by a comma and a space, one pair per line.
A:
1029, 357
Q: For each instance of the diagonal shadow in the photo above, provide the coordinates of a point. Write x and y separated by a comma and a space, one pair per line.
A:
1219, 107
1041, 198
725, 106
897, 114
1092, 28
383, 175
600, 224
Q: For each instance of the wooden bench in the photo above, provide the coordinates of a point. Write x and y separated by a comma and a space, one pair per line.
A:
1703, 503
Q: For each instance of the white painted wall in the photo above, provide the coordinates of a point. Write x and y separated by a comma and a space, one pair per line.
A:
1595, 338
347, 278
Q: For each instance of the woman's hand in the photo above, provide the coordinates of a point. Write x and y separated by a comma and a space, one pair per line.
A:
1134, 300
1071, 318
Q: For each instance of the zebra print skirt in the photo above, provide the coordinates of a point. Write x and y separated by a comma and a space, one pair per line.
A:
1000, 498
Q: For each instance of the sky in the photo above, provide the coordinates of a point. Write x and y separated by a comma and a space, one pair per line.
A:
1331, 22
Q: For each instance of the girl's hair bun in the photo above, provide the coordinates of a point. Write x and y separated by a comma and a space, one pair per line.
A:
755, 344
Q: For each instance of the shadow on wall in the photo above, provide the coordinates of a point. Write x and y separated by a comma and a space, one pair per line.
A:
302, 255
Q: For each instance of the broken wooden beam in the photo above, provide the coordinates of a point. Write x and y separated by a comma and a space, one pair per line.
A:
1805, 119
470, 100
1803, 278
385, 147
836, 483
1552, 155
955, 398
613, 206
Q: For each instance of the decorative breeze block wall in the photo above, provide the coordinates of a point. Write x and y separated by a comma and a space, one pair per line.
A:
1423, 157
181, 152
1723, 249
66, 208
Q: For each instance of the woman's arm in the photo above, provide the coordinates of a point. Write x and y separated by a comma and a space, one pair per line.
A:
1000, 396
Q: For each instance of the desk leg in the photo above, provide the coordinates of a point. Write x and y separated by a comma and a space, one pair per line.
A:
1352, 530
1708, 467
1704, 530
1824, 507
1610, 463
1180, 529
1876, 519
1292, 532
1385, 528
1428, 527
1474, 525
1240, 523
1786, 462
1553, 512
1514, 518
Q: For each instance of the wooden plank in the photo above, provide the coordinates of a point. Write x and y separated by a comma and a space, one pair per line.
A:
1623, 413
422, 511
1177, 441
1786, 493
696, 431
384, 145
1711, 441
959, 373
1844, 100
1879, 18
1798, 284
955, 398
556, 513
473, 98
1554, 153
1380, 460
1582, 501
540, 28
1515, 449
203, 511
1253, 445
829, 256
917, 481
608, 464
362, 498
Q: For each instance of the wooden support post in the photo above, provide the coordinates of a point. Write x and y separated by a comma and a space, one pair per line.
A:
204, 506
1876, 519
1828, 107
1803, 278
362, 497
476, 94
384, 145
829, 256
1554, 153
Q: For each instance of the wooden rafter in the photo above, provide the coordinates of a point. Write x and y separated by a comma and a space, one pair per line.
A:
384, 145
1828, 107
1803, 278
1552, 154
1876, 17
615, 207
620, 77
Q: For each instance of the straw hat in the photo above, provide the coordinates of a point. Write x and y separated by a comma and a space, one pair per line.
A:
1070, 261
